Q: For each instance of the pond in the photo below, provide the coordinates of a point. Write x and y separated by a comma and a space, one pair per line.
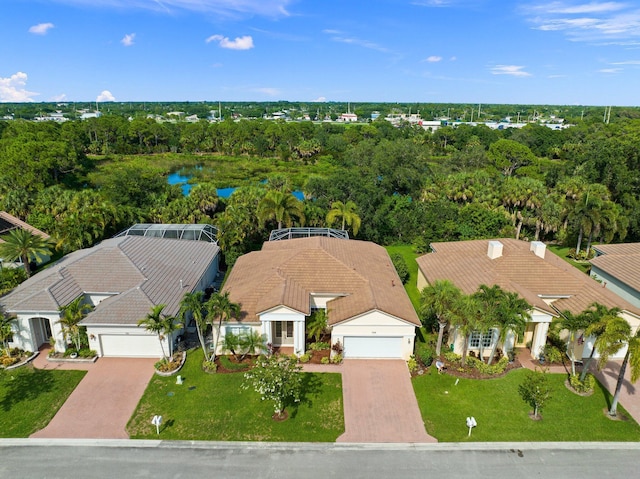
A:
182, 178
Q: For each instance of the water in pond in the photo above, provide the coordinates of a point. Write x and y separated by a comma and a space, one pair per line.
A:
181, 178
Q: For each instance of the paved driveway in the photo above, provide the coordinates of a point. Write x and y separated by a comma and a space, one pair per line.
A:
103, 402
379, 402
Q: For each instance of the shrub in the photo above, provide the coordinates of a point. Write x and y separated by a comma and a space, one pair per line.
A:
337, 347
319, 346
424, 354
582, 386
401, 267
209, 366
324, 360
452, 357
412, 364
336, 359
552, 354
226, 363
87, 353
9, 361
305, 358
491, 369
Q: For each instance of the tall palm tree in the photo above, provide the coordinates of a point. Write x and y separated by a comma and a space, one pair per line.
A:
489, 298
23, 245
439, 299
572, 323
157, 323
219, 308
465, 316
280, 206
347, 212
72, 314
616, 334
192, 303
513, 314
598, 316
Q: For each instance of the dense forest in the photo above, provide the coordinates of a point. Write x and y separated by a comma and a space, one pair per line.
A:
82, 181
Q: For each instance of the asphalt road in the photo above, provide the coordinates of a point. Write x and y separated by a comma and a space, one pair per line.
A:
159, 459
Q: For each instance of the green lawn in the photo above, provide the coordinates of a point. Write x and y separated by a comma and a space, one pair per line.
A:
29, 398
214, 407
408, 253
562, 252
503, 416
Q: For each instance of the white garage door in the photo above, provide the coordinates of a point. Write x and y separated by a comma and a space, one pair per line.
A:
130, 345
372, 347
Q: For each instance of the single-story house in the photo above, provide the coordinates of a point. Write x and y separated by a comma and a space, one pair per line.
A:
547, 282
617, 267
368, 310
9, 222
122, 278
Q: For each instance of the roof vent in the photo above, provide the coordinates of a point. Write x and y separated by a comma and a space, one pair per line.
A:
495, 249
538, 248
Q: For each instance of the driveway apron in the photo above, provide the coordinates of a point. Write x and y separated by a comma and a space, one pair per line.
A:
379, 403
103, 402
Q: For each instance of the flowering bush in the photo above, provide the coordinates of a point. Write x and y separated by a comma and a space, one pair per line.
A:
277, 379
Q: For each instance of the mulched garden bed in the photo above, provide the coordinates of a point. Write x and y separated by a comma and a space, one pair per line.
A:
230, 364
472, 373
316, 356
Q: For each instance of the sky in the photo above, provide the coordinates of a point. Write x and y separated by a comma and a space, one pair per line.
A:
445, 51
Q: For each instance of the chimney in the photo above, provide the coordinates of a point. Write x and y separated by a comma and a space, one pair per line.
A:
538, 248
495, 249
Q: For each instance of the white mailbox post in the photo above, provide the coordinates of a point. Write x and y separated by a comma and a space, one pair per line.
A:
156, 421
471, 423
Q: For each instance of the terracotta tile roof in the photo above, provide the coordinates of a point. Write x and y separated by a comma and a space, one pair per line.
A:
287, 272
9, 222
139, 271
622, 261
467, 265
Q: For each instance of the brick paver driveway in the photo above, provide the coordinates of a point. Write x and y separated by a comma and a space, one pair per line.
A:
379, 403
104, 400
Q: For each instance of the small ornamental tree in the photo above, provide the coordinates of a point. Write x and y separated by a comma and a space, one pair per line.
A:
277, 379
535, 390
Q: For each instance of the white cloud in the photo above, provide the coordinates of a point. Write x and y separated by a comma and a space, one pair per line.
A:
240, 43
12, 89
320, 99
628, 62
432, 59
610, 70
128, 39
227, 8
452, 59
58, 98
269, 91
41, 28
589, 21
513, 70
105, 95
339, 37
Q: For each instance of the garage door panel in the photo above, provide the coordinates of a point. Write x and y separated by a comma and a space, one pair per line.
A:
130, 345
373, 347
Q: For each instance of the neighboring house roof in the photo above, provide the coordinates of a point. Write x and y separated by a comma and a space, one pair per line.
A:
622, 261
138, 271
9, 222
467, 265
287, 272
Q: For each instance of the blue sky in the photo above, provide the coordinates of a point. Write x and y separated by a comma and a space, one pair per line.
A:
477, 51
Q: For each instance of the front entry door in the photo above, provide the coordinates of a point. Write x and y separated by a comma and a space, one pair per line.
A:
284, 332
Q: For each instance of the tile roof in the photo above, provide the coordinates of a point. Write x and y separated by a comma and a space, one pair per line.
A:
622, 261
9, 222
467, 265
138, 271
287, 272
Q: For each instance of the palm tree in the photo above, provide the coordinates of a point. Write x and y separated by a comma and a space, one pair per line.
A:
513, 314
317, 324
572, 323
616, 334
23, 245
192, 303
465, 316
489, 298
72, 314
251, 341
281, 206
219, 308
157, 323
346, 211
439, 299
6, 330
598, 317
